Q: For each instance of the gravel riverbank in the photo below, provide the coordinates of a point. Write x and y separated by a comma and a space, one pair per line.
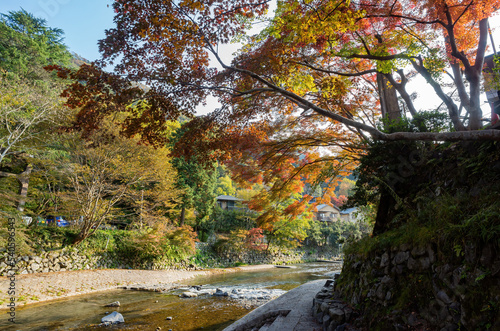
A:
40, 287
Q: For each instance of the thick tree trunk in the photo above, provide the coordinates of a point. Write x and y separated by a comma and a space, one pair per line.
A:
475, 113
388, 99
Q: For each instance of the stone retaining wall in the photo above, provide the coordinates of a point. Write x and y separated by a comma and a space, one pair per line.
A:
275, 257
410, 288
332, 314
72, 259
60, 260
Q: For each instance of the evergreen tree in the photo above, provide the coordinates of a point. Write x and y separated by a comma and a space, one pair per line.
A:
198, 181
27, 44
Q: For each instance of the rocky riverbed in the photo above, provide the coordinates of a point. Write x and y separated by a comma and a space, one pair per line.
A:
38, 287
152, 297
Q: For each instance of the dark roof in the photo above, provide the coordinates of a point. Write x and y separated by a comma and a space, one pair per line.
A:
349, 210
228, 198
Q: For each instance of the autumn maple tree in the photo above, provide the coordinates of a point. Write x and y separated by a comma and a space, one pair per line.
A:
312, 87
333, 61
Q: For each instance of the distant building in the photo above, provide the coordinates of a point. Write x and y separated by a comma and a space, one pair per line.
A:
227, 202
349, 215
327, 213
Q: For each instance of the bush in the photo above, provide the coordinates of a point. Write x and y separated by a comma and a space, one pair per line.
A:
136, 248
157, 244
240, 240
182, 240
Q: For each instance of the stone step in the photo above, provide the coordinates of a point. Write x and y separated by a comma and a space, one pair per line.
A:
265, 327
279, 324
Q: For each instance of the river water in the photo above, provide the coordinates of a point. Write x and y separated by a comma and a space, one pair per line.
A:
149, 310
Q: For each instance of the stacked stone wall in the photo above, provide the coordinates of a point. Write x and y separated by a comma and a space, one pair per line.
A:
73, 259
413, 288
275, 257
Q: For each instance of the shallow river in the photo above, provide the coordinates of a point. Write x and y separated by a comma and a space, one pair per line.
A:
149, 310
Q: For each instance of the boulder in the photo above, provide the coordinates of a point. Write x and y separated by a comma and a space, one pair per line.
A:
425, 263
113, 304
113, 318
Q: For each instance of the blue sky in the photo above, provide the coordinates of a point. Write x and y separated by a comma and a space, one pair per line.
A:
83, 21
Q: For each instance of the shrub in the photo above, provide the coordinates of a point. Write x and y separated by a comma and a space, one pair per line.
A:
240, 240
255, 239
155, 244
182, 240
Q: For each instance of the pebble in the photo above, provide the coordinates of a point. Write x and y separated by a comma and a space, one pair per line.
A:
169, 318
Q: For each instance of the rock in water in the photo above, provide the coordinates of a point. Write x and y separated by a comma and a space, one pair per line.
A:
189, 295
220, 293
113, 304
114, 317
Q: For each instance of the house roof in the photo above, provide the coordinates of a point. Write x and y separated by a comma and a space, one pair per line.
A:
348, 210
228, 198
323, 206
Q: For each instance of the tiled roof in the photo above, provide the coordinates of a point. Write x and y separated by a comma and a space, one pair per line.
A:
319, 207
228, 198
348, 210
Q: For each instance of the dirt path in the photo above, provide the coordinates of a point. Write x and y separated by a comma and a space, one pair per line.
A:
40, 287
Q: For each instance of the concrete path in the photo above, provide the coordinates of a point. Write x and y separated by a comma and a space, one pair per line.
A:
290, 312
